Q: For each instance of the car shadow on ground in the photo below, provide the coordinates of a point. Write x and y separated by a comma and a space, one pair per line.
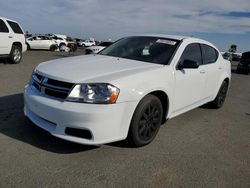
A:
15, 125
4, 61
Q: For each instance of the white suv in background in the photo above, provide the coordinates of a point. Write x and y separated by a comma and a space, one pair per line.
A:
12, 40
88, 43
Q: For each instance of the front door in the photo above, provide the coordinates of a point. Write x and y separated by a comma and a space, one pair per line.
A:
191, 82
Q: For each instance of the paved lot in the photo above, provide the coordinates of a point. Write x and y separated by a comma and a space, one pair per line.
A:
201, 148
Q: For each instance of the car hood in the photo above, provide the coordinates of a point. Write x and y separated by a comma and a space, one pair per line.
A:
89, 68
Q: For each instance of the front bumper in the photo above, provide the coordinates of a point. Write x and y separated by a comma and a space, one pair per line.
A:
106, 123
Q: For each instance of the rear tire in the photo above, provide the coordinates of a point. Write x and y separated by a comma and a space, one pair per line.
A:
146, 121
221, 96
15, 54
52, 48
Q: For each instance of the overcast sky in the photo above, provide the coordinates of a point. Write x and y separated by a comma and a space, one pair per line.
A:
222, 22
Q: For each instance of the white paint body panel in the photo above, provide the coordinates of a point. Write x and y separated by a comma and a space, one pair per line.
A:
7, 39
186, 89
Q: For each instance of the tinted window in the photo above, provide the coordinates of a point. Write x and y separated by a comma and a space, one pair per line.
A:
210, 55
3, 27
147, 49
105, 44
193, 53
15, 27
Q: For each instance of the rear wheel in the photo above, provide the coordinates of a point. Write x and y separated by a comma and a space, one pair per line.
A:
15, 54
52, 47
221, 96
146, 121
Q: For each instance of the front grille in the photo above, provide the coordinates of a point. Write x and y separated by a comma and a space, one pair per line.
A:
51, 87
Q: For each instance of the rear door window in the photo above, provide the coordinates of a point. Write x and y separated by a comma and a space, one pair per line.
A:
193, 53
3, 27
15, 27
210, 55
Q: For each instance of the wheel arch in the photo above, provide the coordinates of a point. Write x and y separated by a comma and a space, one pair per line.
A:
164, 101
224, 78
62, 43
163, 97
17, 44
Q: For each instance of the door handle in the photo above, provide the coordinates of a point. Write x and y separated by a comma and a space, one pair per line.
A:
10, 37
202, 71
220, 68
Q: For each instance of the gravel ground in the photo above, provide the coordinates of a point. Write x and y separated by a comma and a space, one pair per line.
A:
201, 148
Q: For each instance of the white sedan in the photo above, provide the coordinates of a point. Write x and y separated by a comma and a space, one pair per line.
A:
126, 91
41, 42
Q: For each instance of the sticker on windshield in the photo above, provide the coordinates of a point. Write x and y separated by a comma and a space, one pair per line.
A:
164, 41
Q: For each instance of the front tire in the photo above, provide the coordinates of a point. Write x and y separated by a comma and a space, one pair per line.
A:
146, 121
221, 96
15, 54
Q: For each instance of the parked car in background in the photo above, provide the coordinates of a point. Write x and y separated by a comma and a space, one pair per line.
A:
87, 43
243, 66
41, 42
236, 56
71, 44
78, 42
227, 56
12, 40
126, 91
60, 41
98, 48
64, 42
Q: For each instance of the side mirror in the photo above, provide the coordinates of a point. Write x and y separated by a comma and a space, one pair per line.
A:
188, 64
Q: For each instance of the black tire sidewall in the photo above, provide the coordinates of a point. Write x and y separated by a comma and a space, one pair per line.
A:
217, 104
12, 54
133, 131
52, 48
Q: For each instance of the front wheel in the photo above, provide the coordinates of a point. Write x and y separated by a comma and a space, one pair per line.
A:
15, 54
146, 121
221, 96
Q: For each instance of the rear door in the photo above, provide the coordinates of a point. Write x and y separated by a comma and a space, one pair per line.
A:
35, 42
190, 83
45, 42
32, 42
5, 38
213, 68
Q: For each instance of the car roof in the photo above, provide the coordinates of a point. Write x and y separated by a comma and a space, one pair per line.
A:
3, 18
175, 37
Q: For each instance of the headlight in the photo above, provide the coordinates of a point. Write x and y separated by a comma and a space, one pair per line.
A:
96, 93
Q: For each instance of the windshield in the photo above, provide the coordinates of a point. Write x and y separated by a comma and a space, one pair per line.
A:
149, 49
